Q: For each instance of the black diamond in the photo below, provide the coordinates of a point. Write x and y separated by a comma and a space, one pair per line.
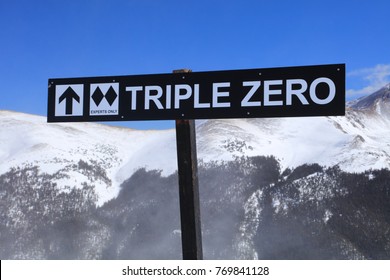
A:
97, 96
111, 95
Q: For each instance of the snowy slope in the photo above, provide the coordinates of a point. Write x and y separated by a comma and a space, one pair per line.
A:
29, 140
354, 144
357, 142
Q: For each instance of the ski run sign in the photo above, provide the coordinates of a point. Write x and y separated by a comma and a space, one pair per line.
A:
253, 93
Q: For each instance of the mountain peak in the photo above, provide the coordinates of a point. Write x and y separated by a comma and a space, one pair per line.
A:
381, 96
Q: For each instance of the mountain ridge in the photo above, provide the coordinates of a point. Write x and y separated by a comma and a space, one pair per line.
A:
28, 140
356, 142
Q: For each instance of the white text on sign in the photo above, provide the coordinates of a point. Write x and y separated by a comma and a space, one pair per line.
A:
257, 93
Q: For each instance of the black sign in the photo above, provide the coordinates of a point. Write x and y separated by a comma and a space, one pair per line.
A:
254, 93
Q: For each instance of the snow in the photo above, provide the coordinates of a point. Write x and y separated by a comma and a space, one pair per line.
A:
27, 139
327, 215
356, 142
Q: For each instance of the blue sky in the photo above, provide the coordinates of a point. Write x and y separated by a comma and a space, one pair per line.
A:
61, 39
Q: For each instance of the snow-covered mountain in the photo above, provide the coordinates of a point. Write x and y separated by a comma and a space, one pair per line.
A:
291, 188
357, 142
28, 140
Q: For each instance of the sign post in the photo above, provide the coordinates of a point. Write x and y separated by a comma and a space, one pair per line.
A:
187, 164
191, 235
184, 96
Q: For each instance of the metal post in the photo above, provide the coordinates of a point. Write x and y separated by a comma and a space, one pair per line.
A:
191, 235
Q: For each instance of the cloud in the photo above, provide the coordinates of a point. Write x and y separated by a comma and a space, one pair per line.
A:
376, 77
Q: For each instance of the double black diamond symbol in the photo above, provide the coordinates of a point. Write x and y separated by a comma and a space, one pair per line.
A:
110, 96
